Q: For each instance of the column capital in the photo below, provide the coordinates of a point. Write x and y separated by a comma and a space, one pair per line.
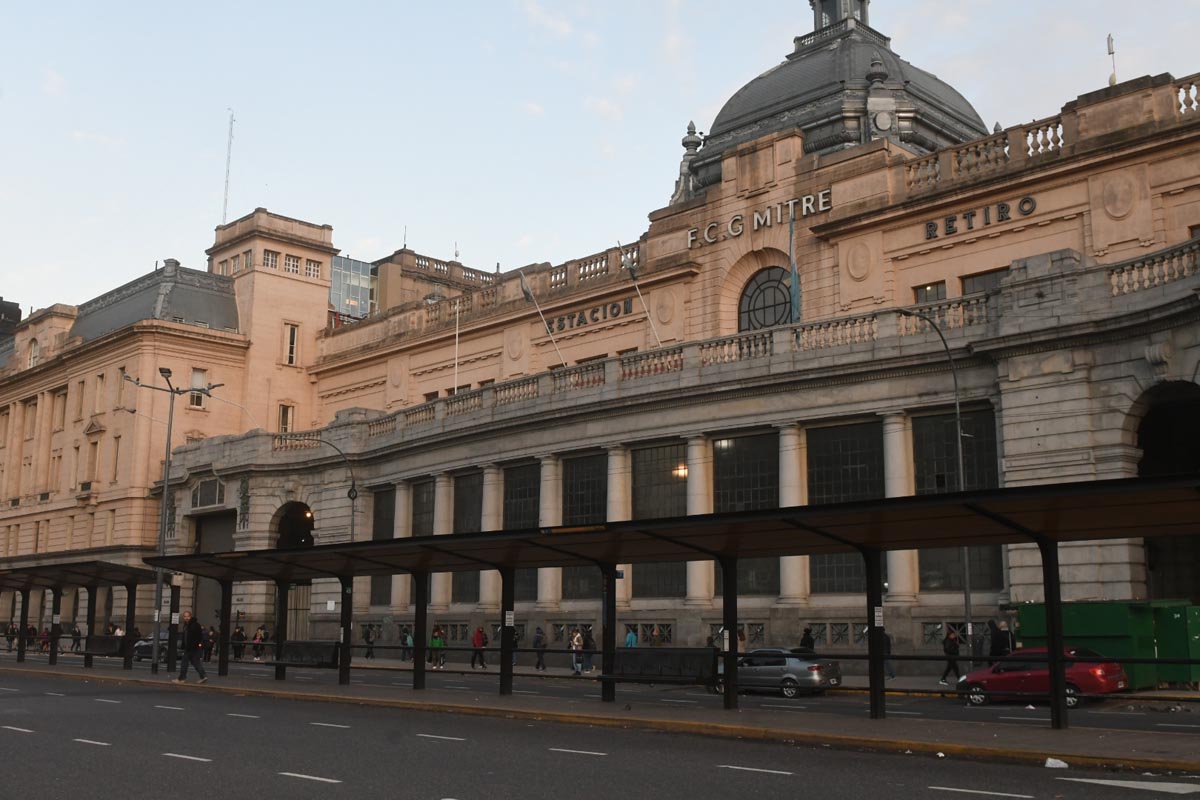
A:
894, 415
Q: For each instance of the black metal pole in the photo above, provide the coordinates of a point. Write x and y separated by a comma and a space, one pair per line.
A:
1052, 588
507, 601
608, 633
873, 563
55, 623
173, 632
729, 603
347, 621
130, 620
92, 591
420, 627
24, 632
281, 612
224, 638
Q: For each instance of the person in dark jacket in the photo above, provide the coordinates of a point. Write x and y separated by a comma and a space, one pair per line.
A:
950, 648
807, 639
1003, 641
193, 649
888, 670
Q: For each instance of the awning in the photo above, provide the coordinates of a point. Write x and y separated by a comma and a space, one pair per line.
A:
74, 573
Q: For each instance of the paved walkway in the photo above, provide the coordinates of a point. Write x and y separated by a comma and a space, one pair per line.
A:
1093, 747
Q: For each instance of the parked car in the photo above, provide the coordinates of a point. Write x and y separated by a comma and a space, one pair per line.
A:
143, 648
789, 672
1025, 672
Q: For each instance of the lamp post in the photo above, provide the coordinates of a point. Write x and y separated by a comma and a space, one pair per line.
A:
174, 391
958, 440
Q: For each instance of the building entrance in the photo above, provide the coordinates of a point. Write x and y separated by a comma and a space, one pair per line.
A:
214, 534
294, 531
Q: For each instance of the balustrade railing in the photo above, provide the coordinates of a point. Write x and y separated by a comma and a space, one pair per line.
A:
960, 312
654, 362
1044, 137
381, 427
922, 173
296, 441
743, 347
464, 403
516, 391
581, 377
980, 156
558, 277
1156, 270
592, 267
836, 332
1188, 96
421, 414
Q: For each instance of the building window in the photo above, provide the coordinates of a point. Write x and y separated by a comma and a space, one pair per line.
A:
208, 492
930, 292
291, 344
312, 269
659, 481
248, 259
223, 268
93, 461
746, 478
468, 516
98, 405
4, 418
422, 508
287, 418
235, 264
584, 502
60, 410
270, 259
291, 264
31, 407
79, 389
845, 463
522, 502
766, 301
116, 459
984, 281
383, 524
35, 352
199, 382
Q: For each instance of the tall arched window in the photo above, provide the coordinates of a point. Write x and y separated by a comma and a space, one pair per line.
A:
766, 301
35, 352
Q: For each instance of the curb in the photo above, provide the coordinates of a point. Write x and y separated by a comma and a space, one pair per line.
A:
869, 744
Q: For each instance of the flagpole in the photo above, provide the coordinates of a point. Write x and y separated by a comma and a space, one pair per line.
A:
530, 296
638, 289
795, 287
457, 305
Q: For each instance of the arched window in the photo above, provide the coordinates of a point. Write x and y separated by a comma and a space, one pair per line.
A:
766, 300
35, 352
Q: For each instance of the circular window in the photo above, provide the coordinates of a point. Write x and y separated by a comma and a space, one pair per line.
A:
766, 300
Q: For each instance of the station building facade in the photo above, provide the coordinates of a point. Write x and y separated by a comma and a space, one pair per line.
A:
696, 370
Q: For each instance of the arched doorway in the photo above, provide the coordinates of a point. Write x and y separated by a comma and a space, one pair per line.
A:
214, 534
294, 526
1169, 438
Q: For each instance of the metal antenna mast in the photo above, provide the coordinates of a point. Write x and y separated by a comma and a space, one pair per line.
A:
228, 159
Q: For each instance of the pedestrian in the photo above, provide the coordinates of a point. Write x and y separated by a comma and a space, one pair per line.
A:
10, 634
516, 642
437, 646
539, 647
210, 642
631, 637
76, 638
238, 640
576, 651
406, 642
44, 640
950, 648
1003, 641
193, 649
589, 648
369, 639
888, 669
807, 639
479, 640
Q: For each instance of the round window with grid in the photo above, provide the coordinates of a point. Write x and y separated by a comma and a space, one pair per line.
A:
766, 301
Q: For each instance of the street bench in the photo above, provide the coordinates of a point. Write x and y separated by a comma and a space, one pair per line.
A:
319, 654
693, 666
108, 646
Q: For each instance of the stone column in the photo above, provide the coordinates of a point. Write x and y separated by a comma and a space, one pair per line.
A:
492, 519
794, 587
402, 529
41, 444
16, 438
443, 523
897, 482
700, 583
620, 509
549, 515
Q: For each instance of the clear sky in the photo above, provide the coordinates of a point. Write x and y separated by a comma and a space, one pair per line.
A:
523, 130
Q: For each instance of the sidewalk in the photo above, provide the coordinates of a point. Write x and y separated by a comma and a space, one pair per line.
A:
1092, 747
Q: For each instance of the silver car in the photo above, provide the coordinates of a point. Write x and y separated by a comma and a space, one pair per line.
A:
789, 672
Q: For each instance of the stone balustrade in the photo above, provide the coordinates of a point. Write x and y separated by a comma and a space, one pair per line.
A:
1156, 270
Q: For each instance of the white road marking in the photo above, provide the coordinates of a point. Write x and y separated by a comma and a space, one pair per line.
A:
56, 694
188, 758
329, 725
92, 741
5, 689
1149, 786
1126, 713
456, 686
754, 769
14, 728
778, 705
976, 791
666, 700
303, 678
309, 777
400, 683
1027, 719
524, 691
244, 716
908, 713
170, 708
102, 700
576, 752
446, 738
1174, 725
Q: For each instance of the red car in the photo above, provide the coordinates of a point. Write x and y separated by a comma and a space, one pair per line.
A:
1024, 673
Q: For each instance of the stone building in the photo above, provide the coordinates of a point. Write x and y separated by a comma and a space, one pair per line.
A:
697, 370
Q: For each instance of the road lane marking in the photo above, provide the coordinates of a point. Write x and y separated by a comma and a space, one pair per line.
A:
329, 725
102, 700
170, 708
576, 752
524, 691
908, 713
666, 700
92, 741
1027, 719
1126, 713
446, 738
754, 769
6, 689
56, 694
309, 777
303, 678
977, 791
779, 705
1150, 786
14, 728
244, 716
188, 758
455, 686
1174, 725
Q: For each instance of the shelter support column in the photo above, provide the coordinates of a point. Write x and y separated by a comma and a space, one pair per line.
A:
226, 633
794, 586
729, 616
281, 615
130, 619
620, 509
22, 634
1052, 588
92, 592
401, 529
491, 519
549, 593
345, 633
608, 632
173, 628
55, 623
873, 571
700, 583
903, 569
420, 628
508, 593
443, 523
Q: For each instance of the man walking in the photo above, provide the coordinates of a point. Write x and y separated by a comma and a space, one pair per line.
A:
950, 648
193, 649
479, 641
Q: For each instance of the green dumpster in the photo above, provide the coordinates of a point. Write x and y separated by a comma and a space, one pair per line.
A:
1177, 628
1117, 629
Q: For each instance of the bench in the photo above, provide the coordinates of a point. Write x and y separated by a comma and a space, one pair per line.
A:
319, 654
678, 665
108, 646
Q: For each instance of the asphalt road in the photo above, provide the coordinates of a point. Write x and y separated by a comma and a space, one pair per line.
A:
62, 737
1155, 716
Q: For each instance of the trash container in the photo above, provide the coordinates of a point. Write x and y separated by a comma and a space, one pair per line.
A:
1117, 629
1177, 632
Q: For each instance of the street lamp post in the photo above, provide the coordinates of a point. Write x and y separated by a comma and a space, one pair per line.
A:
958, 440
174, 391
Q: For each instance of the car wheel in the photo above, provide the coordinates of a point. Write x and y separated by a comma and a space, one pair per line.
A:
976, 695
1073, 698
789, 688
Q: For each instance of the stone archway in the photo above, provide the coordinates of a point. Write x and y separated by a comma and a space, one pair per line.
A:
293, 527
729, 293
1169, 438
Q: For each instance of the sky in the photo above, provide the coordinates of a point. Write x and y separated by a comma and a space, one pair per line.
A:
517, 131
